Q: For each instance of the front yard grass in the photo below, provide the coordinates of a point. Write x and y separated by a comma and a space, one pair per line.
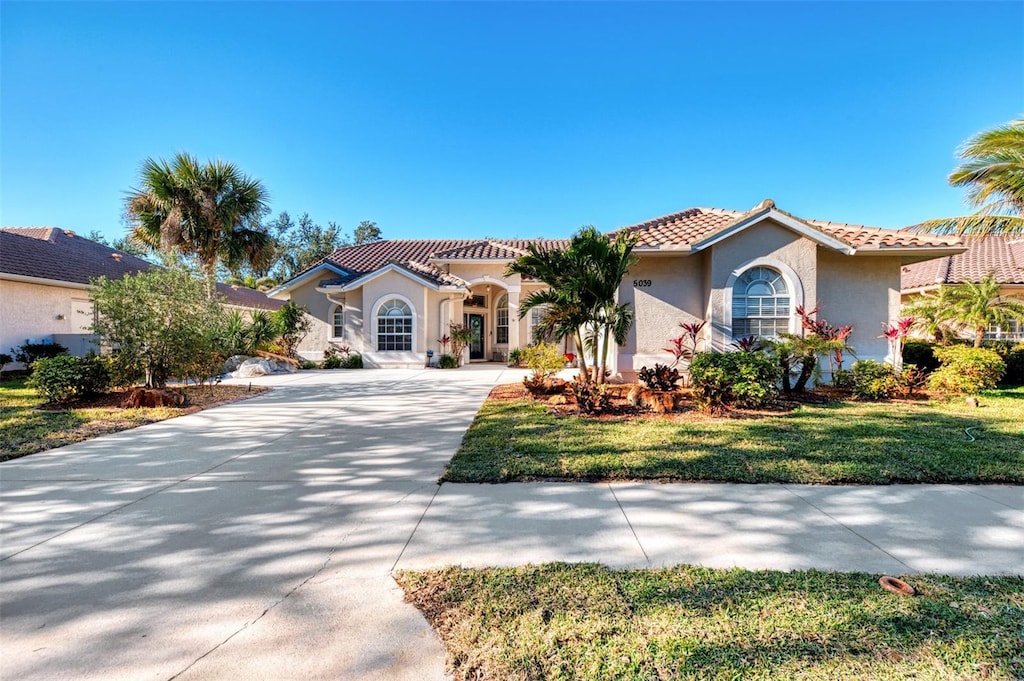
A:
26, 426
835, 443
562, 621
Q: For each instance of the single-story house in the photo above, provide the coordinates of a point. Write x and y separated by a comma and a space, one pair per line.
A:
1000, 256
744, 273
44, 286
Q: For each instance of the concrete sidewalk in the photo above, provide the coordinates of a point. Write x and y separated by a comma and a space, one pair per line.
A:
898, 529
257, 540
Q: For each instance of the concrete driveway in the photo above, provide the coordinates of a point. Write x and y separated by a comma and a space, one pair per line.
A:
257, 540
252, 541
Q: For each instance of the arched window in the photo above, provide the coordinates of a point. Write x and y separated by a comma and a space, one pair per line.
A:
760, 304
337, 322
394, 326
501, 320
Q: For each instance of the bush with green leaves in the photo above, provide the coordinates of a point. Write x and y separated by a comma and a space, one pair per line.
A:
28, 353
447, 361
242, 336
162, 324
744, 379
842, 378
921, 355
341, 358
661, 377
515, 357
291, 323
545, 359
875, 380
64, 377
1012, 354
966, 370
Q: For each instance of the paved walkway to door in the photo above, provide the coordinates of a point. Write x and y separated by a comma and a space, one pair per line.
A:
257, 540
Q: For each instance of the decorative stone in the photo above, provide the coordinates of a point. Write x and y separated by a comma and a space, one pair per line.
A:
148, 398
232, 363
256, 366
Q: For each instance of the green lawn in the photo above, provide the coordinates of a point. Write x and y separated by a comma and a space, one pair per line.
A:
842, 442
568, 622
26, 429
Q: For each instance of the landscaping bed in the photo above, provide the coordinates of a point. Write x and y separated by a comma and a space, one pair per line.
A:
819, 440
562, 621
28, 425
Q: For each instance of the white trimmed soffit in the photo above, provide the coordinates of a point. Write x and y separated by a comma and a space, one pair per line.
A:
302, 278
796, 292
390, 267
791, 223
664, 249
912, 254
44, 282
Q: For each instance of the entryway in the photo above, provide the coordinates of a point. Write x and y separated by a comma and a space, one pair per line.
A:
475, 323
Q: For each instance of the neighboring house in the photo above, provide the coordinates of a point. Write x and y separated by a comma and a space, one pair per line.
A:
742, 272
44, 286
1000, 256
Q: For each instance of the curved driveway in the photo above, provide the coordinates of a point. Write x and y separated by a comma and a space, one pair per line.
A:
257, 540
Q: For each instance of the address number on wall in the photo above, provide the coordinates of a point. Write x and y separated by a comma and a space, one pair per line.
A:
642, 283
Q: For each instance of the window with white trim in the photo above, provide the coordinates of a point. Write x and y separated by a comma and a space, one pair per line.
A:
394, 326
337, 322
537, 315
760, 304
1012, 330
501, 320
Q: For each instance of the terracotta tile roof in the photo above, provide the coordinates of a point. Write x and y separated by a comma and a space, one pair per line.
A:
63, 256
694, 225
1002, 256
497, 250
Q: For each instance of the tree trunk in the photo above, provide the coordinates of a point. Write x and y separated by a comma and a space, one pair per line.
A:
806, 369
604, 355
979, 336
786, 367
581, 354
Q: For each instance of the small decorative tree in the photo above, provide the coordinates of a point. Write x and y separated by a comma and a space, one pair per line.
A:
896, 333
461, 336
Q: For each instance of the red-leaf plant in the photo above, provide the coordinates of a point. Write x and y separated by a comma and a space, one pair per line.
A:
896, 333
684, 346
834, 337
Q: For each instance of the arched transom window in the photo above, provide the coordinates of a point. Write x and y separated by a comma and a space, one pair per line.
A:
394, 326
760, 304
501, 320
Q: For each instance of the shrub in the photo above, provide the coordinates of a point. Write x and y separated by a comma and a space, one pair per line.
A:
842, 378
591, 398
921, 355
5, 359
341, 358
291, 323
912, 379
353, 360
332, 359
544, 358
28, 353
62, 377
447, 361
661, 377
515, 357
966, 370
746, 379
307, 364
461, 336
1012, 355
874, 380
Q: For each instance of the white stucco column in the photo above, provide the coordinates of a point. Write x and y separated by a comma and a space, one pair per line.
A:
513, 317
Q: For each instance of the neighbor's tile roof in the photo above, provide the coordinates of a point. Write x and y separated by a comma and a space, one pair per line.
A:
50, 253
1002, 256
497, 250
694, 225
61, 255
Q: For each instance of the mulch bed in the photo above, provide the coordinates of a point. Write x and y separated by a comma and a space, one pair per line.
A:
199, 397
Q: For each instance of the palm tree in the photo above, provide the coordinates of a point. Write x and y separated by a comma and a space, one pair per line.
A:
208, 211
980, 305
584, 279
934, 314
993, 172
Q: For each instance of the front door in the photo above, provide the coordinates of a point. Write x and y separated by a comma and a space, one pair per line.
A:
475, 322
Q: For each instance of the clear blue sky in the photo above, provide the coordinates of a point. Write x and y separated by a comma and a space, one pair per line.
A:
502, 120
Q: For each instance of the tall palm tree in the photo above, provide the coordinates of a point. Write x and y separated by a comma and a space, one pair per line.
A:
934, 313
208, 211
980, 305
993, 172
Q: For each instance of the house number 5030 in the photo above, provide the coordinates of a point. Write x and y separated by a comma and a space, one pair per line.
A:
642, 283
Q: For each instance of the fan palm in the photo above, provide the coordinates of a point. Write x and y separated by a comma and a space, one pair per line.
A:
993, 172
208, 211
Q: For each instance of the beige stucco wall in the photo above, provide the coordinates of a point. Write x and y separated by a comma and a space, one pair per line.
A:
863, 291
313, 345
767, 244
676, 294
31, 311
